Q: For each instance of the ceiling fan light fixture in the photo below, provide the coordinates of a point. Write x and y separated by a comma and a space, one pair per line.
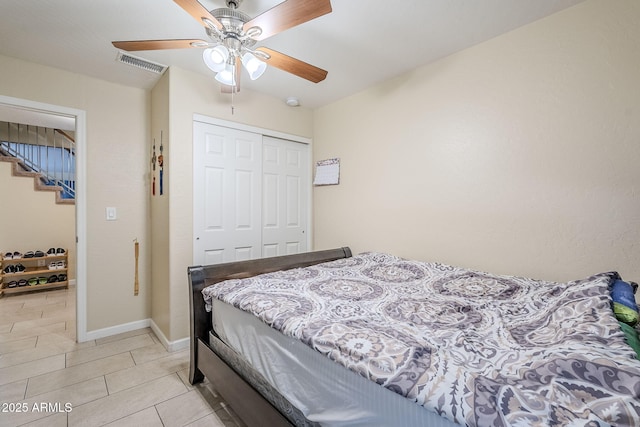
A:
253, 65
227, 75
216, 58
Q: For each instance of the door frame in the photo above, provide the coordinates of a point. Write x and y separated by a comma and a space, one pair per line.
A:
263, 132
81, 199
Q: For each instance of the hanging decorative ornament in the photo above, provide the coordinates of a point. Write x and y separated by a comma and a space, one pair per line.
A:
161, 165
153, 172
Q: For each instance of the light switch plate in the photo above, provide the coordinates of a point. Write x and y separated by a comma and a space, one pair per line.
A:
111, 214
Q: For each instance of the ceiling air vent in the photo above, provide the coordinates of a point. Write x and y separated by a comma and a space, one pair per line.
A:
141, 63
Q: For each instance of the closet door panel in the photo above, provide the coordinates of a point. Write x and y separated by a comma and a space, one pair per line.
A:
227, 194
285, 177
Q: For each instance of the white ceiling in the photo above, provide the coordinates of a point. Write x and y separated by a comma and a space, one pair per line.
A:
362, 42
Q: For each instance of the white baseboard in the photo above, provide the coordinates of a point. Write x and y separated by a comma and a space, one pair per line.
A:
140, 324
118, 329
169, 345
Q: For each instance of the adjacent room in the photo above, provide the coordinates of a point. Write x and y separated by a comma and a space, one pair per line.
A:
142, 140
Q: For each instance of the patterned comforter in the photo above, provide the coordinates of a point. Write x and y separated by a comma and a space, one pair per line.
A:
479, 349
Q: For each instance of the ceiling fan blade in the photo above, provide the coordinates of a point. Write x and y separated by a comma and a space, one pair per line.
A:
293, 65
198, 11
134, 45
287, 15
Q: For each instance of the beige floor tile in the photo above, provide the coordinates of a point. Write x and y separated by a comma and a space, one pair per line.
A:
210, 420
183, 409
63, 342
13, 392
19, 316
8, 303
38, 323
18, 345
39, 300
108, 349
28, 355
139, 374
63, 400
147, 418
76, 374
58, 420
149, 353
117, 337
26, 370
6, 327
127, 402
27, 297
20, 335
55, 310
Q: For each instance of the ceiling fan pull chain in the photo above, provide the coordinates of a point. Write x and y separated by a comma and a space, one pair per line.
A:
233, 90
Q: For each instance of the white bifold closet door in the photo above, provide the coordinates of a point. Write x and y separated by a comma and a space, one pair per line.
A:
250, 195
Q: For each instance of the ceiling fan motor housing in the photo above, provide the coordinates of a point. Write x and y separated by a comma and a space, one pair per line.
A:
233, 22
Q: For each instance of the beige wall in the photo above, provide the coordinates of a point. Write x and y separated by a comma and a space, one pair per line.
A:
31, 220
191, 93
117, 134
517, 156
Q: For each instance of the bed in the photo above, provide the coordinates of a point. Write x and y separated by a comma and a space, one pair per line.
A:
327, 338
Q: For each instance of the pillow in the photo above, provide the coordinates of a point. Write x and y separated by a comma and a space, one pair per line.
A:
625, 314
631, 337
622, 293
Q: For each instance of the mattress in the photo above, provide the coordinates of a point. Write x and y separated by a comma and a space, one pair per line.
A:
324, 391
473, 347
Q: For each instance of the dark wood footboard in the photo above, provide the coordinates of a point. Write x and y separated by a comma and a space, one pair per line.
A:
249, 403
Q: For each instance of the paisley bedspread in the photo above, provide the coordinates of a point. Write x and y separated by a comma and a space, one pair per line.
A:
477, 348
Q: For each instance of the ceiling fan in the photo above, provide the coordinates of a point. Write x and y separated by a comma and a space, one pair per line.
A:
233, 35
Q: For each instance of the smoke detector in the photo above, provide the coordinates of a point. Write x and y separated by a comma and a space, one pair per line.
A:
292, 101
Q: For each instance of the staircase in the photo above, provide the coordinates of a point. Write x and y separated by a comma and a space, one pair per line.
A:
46, 155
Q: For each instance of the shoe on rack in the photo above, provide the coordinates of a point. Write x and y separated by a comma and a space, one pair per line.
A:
38, 254
62, 277
60, 251
53, 265
29, 254
52, 279
17, 255
22, 282
51, 251
9, 269
19, 268
12, 284
8, 255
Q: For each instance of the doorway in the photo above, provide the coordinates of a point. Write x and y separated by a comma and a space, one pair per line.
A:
10, 105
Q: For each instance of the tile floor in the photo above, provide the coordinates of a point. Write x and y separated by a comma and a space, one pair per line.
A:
47, 379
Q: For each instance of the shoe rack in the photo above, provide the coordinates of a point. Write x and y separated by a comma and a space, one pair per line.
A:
33, 273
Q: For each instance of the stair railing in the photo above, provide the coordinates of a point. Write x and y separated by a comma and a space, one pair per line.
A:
49, 152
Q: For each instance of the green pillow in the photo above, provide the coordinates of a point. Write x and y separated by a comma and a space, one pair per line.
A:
631, 337
625, 314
